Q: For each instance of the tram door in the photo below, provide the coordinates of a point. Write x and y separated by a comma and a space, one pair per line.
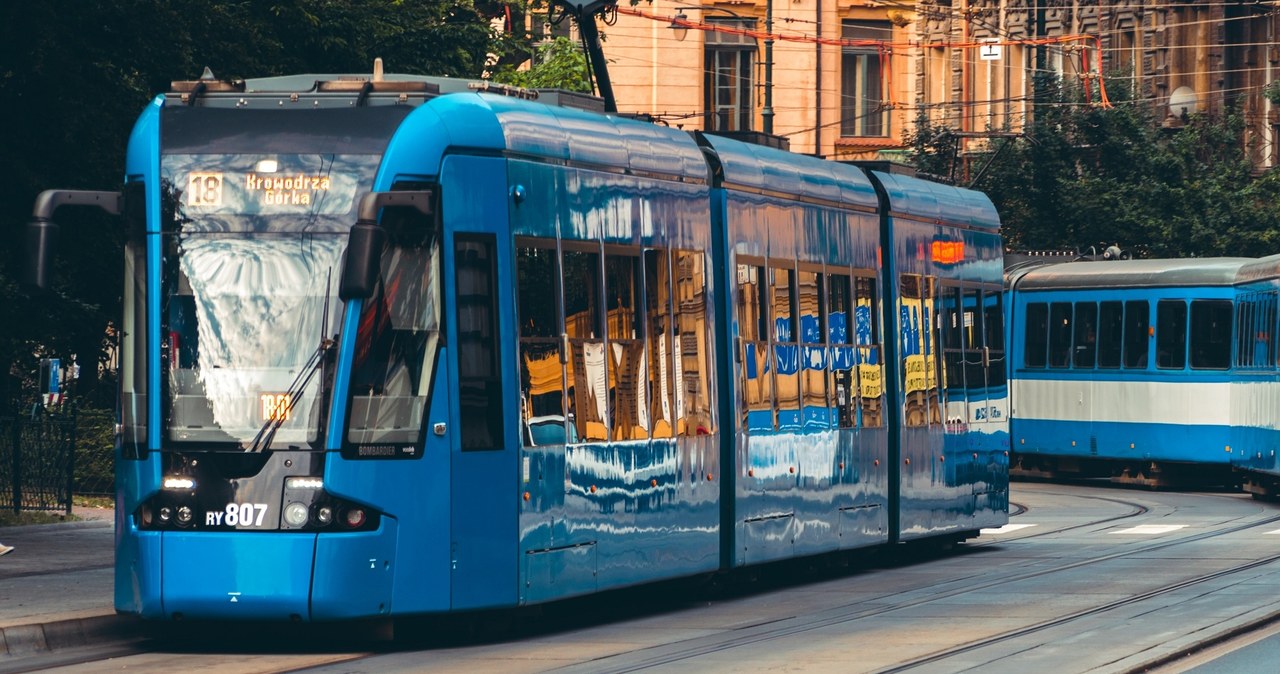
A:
483, 446
951, 317
993, 354
1085, 357
974, 376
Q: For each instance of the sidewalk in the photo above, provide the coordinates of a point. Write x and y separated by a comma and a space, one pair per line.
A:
56, 587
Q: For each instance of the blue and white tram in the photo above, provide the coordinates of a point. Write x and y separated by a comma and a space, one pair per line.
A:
1123, 369
1255, 400
558, 352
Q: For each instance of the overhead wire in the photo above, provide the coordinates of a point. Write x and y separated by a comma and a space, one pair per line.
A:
883, 48
1086, 72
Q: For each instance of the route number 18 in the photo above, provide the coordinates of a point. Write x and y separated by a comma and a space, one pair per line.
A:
204, 190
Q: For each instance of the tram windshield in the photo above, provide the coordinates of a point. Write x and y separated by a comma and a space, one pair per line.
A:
252, 249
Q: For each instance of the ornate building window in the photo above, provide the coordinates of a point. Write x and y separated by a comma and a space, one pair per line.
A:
862, 110
728, 76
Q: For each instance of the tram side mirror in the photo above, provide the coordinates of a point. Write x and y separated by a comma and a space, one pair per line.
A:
42, 231
41, 238
361, 266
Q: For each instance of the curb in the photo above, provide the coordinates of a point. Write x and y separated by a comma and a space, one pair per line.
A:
1248, 623
21, 640
66, 526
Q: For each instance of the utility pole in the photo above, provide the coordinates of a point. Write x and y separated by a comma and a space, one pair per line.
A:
766, 115
584, 12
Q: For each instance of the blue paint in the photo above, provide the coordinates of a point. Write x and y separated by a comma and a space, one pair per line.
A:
461, 530
1137, 441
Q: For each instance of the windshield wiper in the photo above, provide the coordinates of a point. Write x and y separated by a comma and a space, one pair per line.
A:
267, 433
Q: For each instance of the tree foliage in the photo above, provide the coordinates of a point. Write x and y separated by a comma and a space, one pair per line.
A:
1083, 175
75, 75
559, 63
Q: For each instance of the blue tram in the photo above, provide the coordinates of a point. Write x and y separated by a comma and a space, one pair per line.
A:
1124, 369
394, 346
1255, 423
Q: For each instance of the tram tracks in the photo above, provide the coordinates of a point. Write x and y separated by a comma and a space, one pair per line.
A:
1137, 509
784, 627
771, 630
1062, 620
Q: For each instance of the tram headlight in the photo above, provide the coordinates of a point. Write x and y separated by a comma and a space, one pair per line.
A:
295, 514
184, 515
179, 483
166, 514
296, 482
324, 516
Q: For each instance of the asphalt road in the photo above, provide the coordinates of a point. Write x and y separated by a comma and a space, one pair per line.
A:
1085, 579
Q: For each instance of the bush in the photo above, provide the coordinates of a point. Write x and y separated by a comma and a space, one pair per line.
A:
95, 452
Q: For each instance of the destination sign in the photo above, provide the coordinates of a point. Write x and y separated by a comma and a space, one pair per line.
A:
209, 189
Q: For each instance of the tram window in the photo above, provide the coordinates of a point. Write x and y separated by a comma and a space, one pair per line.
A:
1171, 334
781, 317
915, 331
479, 369
133, 347
1244, 332
1110, 333
542, 398
620, 274
1210, 334
1254, 331
929, 328
975, 377
1137, 333
1086, 335
1060, 334
538, 275
398, 336
757, 375
993, 303
952, 318
1269, 330
628, 405
785, 351
696, 415
751, 304
585, 373
1037, 335
813, 361
842, 385
657, 283
866, 307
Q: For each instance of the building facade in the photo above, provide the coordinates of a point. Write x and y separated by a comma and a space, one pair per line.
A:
849, 79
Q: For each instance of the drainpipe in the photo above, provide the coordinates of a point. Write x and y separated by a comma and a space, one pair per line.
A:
817, 95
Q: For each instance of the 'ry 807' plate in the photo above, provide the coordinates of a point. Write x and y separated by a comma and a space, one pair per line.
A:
240, 515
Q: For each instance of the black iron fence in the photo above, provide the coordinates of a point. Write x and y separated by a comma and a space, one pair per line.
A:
37, 462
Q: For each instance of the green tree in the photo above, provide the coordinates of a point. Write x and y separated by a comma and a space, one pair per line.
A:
1083, 175
559, 63
74, 77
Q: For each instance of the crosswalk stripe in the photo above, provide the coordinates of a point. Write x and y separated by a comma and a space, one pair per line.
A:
1007, 528
1150, 529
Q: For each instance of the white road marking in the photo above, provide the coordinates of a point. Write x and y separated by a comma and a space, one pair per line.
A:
1277, 531
1008, 528
1151, 529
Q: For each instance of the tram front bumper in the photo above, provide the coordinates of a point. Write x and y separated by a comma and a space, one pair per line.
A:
273, 576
